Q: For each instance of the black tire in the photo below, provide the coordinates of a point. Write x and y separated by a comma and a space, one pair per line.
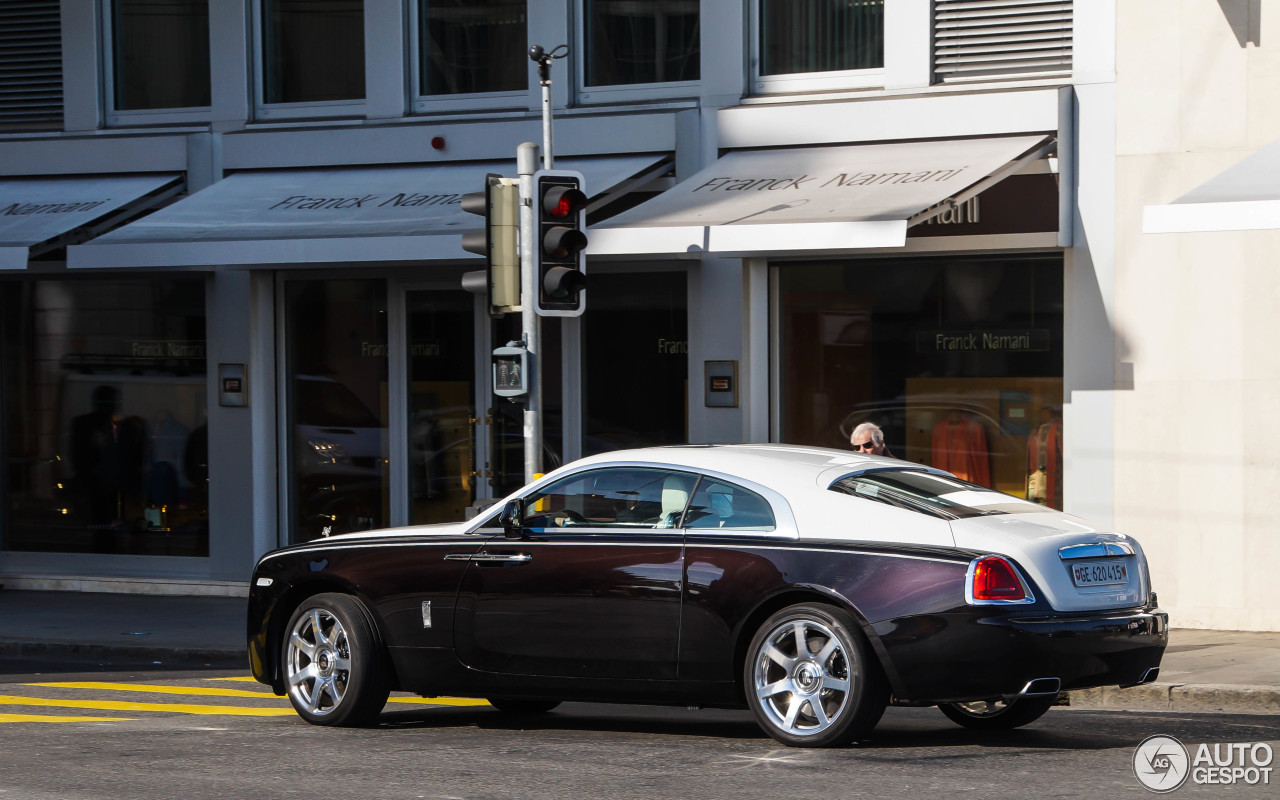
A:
522, 706
334, 667
998, 715
827, 695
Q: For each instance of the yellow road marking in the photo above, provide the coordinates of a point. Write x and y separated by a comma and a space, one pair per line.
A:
175, 708
245, 678
206, 691
440, 701
47, 718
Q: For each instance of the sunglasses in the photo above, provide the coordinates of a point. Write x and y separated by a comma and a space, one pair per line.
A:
865, 446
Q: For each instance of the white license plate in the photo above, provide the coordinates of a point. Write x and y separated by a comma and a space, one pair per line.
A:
1100, 573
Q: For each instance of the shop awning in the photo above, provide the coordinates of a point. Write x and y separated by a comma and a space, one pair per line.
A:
1244, 198
816, 198
339, 215
41, 214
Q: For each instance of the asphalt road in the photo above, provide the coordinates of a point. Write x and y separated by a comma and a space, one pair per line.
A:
156, 733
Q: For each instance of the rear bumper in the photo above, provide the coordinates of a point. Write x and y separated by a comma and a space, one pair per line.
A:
988, 655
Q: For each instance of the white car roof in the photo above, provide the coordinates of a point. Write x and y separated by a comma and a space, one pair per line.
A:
775, 465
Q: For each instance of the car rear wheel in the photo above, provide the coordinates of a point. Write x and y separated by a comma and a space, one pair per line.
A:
334, 668
997, 715
811, 678
519, 705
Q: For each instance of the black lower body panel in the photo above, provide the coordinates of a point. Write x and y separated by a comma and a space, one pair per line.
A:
976, 654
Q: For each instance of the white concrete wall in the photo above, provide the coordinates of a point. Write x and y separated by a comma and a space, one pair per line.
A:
1197, 444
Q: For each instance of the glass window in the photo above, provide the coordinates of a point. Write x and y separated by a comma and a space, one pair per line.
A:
472, 46
652, 42
636, 360
616, 497
105, 441
160, 54
935, 495
820, 35
312, 50
717, 504
336, 355
958, 360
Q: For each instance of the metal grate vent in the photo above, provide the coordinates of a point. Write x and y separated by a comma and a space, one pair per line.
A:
995, 39
30, 65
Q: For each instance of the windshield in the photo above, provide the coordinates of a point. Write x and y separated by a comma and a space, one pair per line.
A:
936, 495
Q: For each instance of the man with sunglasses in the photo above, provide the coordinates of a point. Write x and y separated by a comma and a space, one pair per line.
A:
868, 438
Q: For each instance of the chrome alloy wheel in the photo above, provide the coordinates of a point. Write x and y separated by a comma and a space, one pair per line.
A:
318, 662
802, 677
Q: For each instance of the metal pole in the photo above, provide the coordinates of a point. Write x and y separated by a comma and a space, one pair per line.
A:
543, 59
531, 323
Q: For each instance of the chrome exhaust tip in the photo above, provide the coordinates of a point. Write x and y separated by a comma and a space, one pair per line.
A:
1041, 687
1147, 677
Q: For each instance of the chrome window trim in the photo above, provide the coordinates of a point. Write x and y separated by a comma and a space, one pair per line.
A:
1072, 552
1028, 599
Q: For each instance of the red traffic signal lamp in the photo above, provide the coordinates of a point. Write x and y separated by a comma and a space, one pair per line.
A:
559, 240
499, 204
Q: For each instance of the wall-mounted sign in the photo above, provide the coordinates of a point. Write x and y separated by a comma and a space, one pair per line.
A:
722, 384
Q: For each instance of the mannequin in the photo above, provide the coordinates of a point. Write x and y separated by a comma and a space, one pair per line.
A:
960, 447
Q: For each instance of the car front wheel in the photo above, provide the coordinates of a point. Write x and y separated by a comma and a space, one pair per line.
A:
811, 678
334, 668
997, 715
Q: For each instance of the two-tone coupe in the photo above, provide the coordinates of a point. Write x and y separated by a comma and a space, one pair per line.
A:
813, 586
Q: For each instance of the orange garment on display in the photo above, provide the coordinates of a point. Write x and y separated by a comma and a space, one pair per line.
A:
960, 447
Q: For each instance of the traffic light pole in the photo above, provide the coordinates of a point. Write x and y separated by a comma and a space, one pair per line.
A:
531, 323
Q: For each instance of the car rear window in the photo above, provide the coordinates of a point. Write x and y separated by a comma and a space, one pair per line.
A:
936, 495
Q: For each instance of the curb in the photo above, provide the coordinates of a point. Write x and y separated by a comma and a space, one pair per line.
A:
1186, 697
103, 654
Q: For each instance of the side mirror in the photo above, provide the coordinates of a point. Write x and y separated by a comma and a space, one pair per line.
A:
511, 518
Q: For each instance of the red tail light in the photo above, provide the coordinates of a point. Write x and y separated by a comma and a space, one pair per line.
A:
996, 579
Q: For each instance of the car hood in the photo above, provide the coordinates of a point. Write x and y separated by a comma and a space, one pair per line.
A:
1035, 541
440, 529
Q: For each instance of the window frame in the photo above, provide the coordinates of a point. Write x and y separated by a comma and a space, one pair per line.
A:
628, 92
270, 112
795, 82
506, 100
114, 117
667, 471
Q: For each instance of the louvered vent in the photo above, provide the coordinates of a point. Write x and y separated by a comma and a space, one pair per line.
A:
995, 39
30, 65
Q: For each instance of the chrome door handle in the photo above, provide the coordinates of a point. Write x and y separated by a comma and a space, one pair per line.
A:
491, 558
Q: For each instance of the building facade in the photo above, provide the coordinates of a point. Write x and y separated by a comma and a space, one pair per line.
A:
231, 312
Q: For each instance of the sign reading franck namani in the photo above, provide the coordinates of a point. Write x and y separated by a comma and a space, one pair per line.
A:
35, 210
1007, 341
827, 184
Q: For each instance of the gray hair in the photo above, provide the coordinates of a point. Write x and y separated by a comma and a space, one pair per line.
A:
877, 435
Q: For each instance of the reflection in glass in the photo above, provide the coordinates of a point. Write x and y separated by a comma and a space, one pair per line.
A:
160, 52
105, 442
442, 418
820, 35
636, 361
958, 360
652, 42
336, 353
473, 46
313, 50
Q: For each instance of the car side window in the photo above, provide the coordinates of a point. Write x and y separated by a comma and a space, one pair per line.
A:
623, 497
717, 504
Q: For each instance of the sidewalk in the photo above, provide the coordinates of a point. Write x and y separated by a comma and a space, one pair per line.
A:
1228, 671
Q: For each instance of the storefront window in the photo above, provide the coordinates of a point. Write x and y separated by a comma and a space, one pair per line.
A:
336, 355
635, 339
312, 50
820, 35
629, 42
472, 46
104, 436
958, 360
160, 54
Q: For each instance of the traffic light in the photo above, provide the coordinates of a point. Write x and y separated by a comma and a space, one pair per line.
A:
499, 204
559, 239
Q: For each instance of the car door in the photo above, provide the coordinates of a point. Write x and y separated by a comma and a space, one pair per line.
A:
592, 589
